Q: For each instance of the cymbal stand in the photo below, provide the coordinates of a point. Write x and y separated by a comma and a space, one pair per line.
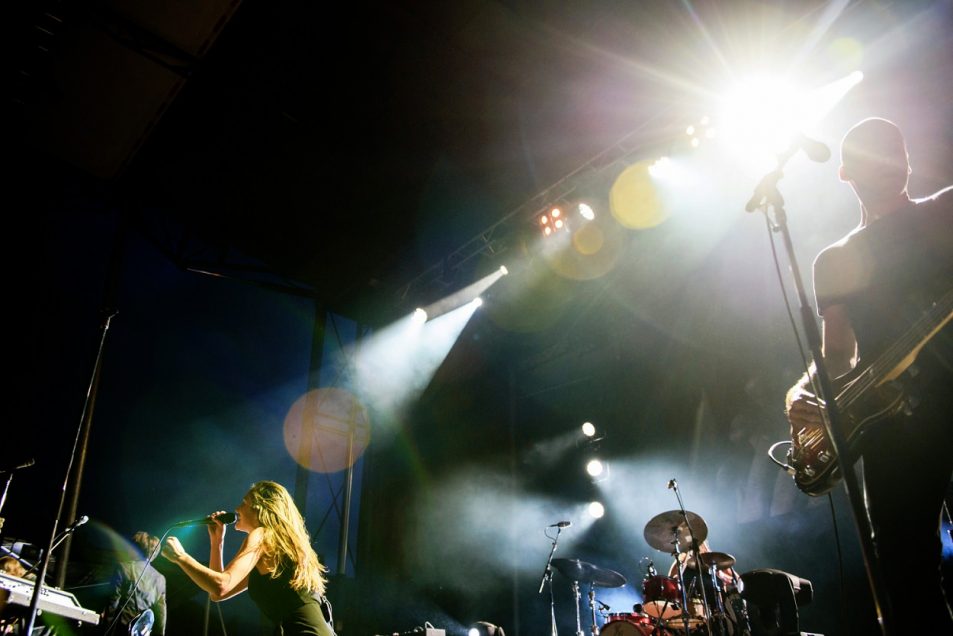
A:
548, 577
577, 597
719, 597
592, 608
680, 571
695, 554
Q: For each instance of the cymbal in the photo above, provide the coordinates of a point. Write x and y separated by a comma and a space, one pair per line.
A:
721, 560
588, 573
661, 530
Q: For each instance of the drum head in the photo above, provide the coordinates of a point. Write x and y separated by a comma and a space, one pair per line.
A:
625, 628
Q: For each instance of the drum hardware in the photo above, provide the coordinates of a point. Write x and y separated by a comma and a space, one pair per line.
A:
583, 572
680, 532
548, 577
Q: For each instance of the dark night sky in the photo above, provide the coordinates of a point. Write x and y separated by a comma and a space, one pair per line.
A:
340, 154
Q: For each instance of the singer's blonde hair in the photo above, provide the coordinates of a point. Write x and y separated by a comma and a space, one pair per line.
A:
286, 542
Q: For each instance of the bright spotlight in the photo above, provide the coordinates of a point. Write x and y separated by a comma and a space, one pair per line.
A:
558, 224
419, 317
594, 468
761, 115
555, 213
596, 510
586, 211
661, 168
588, 429
477, 302
503, 270
547, 230
690, 131
483, 628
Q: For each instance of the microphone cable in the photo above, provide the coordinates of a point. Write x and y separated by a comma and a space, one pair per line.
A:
149, 559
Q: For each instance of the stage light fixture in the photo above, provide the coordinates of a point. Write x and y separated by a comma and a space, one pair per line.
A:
477, 302
483, 628
503, 270
595, 468
586, 211
588, 429
596, 510
419, 317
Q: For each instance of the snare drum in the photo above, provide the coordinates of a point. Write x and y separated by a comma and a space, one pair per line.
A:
662, 597
631, 625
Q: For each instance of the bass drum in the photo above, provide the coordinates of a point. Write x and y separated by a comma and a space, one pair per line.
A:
632, 625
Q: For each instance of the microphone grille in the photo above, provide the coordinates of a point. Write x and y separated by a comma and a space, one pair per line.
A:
227, 517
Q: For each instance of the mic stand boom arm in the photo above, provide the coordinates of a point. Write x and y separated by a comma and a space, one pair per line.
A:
767, 196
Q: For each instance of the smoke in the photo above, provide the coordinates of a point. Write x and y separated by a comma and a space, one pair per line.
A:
479, 527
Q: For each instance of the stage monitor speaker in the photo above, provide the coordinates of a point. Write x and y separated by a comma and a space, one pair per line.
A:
773, 598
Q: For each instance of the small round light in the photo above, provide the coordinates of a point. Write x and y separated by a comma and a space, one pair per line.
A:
588, 429
503, 270
690, 131
596, 510
695, 142
477, 302
559, 224
544, 219
420, 316
547, 230
555, 212
594, 468
473, 632
586, 211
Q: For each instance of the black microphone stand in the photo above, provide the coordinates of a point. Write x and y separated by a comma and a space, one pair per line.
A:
6, 484
45, 562
696, 555
767, 196
548, 577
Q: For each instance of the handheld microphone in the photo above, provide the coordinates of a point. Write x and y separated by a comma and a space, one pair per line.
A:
561, 524
225, 517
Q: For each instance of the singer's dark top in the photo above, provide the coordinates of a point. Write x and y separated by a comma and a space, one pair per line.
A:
294, 613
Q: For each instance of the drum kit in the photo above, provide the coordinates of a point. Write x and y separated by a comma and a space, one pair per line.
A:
693, 601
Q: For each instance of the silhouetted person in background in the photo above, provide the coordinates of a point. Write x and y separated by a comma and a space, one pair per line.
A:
149, 594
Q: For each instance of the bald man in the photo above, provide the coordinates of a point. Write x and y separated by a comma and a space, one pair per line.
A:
870, 288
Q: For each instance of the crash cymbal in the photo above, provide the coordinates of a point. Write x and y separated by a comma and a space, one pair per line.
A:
588, 573
661, 530
721, 560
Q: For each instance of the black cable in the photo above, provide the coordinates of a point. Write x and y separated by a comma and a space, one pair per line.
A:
845, 624
221, 619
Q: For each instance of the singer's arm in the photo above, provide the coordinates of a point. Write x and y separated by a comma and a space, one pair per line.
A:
216, 539
232, 580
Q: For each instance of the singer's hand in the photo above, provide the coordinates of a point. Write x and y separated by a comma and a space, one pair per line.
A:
216, 529
173, 550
